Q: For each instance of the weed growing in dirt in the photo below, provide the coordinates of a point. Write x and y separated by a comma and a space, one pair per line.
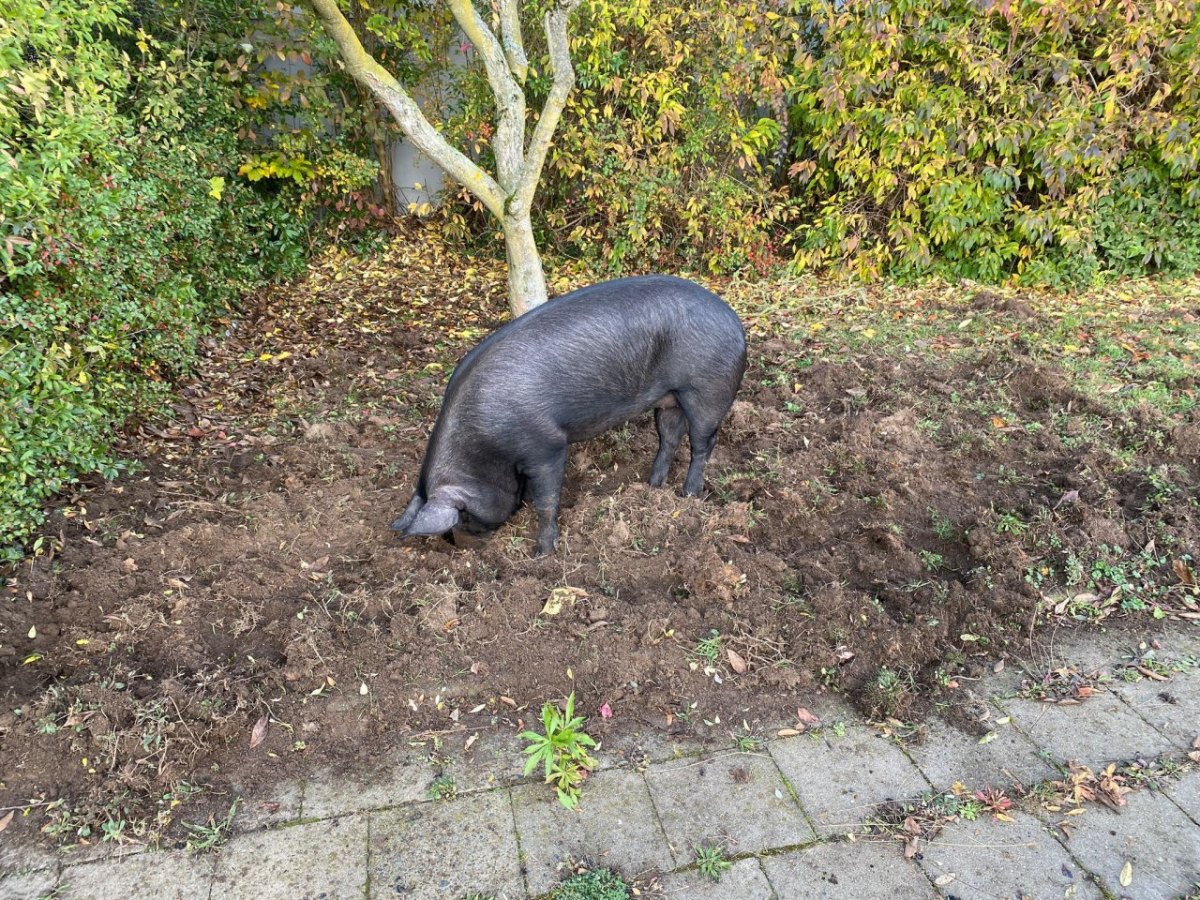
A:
711, 862
443, 788
747, 742
893, 692
942, 526
598, 884
931, 560
213, 833
562, 750
708, 649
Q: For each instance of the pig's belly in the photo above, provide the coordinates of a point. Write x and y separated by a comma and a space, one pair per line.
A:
587, 428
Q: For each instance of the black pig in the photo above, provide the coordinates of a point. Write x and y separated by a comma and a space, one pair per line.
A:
567, 371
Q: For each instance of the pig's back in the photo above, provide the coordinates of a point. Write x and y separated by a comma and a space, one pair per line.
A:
593, 358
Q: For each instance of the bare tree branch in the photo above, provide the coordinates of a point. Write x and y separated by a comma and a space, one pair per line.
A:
564, 79
367, 72
508, 143
511, 40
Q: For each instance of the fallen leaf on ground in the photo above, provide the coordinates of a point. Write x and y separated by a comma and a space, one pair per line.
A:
1126, 874
562, 597
736, 662
804, 717
259, 732
4, 822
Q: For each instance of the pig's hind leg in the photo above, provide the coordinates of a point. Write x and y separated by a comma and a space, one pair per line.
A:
672, 424
544, 489
704, 417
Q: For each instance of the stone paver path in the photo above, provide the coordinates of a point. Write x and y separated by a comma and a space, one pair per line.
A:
790, 815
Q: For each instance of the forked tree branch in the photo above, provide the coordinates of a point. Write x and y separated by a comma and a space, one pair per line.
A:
508, 143
367, 72
563, 80
511, 40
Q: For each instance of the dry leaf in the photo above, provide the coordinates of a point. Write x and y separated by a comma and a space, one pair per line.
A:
4, 822
1183, 573
788, 732
259, 732
1126, 874
129, 566
736, 662
561, 597
943, 880
804, 717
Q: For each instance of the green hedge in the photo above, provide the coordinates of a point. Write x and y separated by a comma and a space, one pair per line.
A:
123, 229
1055, 141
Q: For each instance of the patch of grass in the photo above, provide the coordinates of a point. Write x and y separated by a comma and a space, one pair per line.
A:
712, 862
747, 742
212, 833
708, 649
597, 884
562, 751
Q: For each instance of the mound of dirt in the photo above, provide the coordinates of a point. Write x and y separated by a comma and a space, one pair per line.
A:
862, 516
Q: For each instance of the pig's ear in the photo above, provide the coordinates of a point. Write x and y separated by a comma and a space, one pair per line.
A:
435, 517
410, 513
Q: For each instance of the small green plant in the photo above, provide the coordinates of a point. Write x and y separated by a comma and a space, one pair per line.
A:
708, 649
443, 788
931, 560
1009, 523
942, 526
747, 742
597, 884
562, 751
212, 833
711, 862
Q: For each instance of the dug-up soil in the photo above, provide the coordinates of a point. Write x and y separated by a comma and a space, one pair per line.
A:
862, 514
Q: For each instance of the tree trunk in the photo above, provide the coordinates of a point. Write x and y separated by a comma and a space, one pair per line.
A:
526, 281
509, 194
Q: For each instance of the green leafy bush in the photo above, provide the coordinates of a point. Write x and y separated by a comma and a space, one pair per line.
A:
123, 229
1048, 141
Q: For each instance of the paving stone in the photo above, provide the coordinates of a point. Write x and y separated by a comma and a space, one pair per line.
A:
841, 870
655, 745
1088, 649
28, 885
992, 860
744, 880
1173, 707
446, 849
615, 827
264, 808
300, 862
402, 779
737, 800
1099, 730
164, 876
494, 760
840, 780
19, 853
996, 684
1186, 794
949, 755
1160, 842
